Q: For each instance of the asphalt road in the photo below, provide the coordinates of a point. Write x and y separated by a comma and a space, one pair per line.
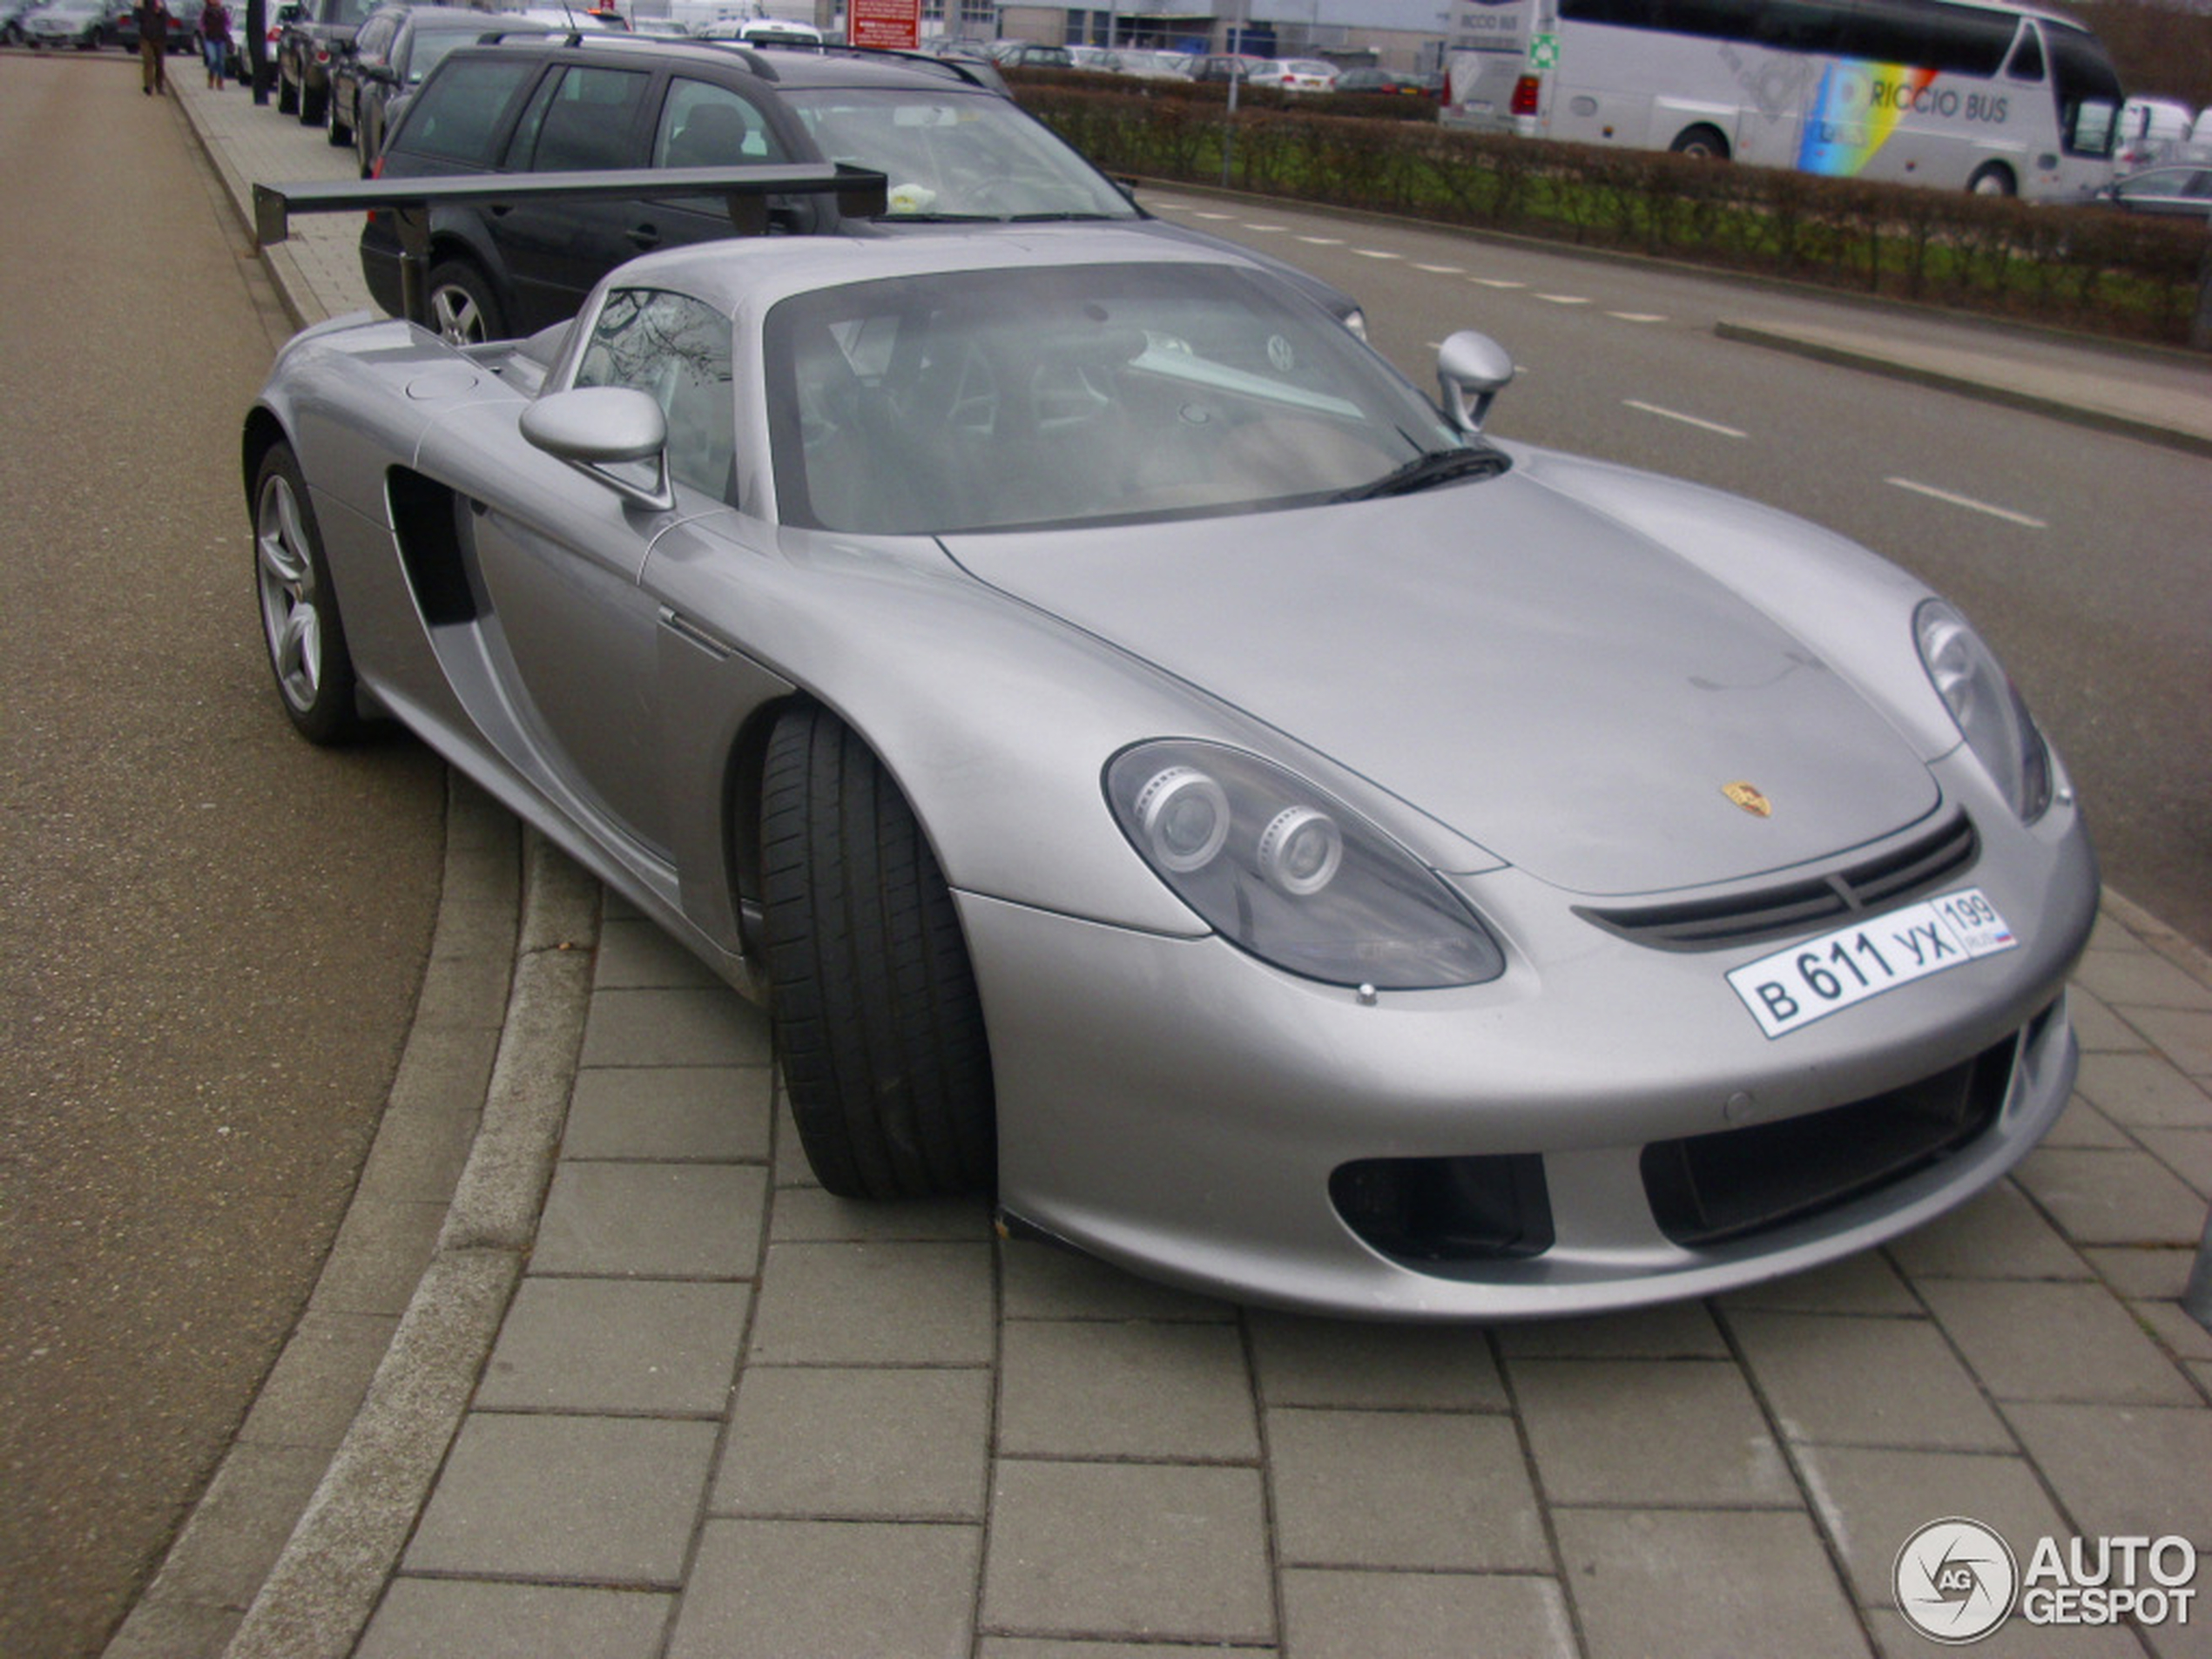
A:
214, 934
2081, 556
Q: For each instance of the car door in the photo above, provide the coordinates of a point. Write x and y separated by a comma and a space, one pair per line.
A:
571, 631
700, 124
583, 117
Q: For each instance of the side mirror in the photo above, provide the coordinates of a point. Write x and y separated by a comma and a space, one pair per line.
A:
612, 434
1472, 369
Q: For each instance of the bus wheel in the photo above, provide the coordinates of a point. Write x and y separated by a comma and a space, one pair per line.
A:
1708, 143
1994, 178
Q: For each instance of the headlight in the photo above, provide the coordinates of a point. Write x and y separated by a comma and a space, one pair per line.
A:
1290, 874
1990, 713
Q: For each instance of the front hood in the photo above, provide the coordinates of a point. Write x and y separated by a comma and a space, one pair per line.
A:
1535, 675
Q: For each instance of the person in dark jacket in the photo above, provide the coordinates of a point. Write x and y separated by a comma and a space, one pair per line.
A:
215, 40
153, 45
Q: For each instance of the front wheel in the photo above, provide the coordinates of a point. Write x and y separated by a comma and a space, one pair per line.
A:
300, 625
287, 96
462, 308
1993, 179
341, 131
877, 1022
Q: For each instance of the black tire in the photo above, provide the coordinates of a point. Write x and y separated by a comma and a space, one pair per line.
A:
463, 309
287, 96
1707, 143
340, 133
299, 622
1993, 178
877, 1022
313, 106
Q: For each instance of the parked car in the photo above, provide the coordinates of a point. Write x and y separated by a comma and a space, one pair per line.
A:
2181, 190
1382, 81
318, 32
1156, 66
1295, 74
81, 23
12, 13
1028, 54
184, 25
396, 45
957, 152
1219, 66
1162, 772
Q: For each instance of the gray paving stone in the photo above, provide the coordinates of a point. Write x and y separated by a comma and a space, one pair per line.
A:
809, 1214
1724, 1584
798, 1589
1046, 1282
1403, 1489
2139, 1272
2188, 1152
161, 1629
2131, 980
2097, 1027
1671, 1331
2048, 1341
1865, 1282
2015, 1639
1424, 1616
466, 991
381, 1248
445, 1070
637, 954
1334, 1362
1871, 1500
788, 1163
651, 1220
2125, 1470
1127, 1389
674, 1114
582, 1500
423, 1618
2083, 1125
2144, 1091
2113, 1198
680, 1026
817, 1442
1998, 1234
311, 1395
418, 1155
1841, 1380
2182, 1335
2185, 1036
882, 1304
590, 1344
241, 1525
1681, 1433
1119, 1550
1053, 1648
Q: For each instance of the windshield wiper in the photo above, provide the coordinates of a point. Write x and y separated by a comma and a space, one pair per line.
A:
941, 218
1435, 467
1063, 219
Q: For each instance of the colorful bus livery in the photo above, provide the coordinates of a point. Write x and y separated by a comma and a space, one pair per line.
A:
1961, 94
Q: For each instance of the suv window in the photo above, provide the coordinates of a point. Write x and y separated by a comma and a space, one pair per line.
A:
460, 121
580, 121
705, 125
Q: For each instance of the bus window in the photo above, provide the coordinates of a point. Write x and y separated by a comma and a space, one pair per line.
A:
2088, 92
2027, 57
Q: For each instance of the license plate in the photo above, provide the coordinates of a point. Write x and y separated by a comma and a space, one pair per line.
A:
1817, 977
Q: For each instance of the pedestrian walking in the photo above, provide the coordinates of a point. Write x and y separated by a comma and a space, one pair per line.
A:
215, 40
153, 45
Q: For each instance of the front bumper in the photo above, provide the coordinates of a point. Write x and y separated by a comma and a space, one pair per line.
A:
1177, 1108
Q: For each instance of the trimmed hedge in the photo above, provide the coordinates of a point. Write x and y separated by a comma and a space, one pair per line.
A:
2082, 267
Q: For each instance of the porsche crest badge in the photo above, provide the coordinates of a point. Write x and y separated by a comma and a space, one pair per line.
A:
1748, 799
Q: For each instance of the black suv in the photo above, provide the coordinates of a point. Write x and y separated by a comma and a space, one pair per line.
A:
314, 33
955, 151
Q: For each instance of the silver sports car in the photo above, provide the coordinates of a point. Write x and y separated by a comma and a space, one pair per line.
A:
1160, 769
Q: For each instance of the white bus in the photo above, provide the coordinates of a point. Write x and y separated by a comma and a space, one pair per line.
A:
1960, 94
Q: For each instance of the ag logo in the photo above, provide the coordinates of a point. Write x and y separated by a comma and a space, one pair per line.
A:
1955, 1580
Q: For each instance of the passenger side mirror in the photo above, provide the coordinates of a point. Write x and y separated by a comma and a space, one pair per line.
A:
1473, 369
612, 434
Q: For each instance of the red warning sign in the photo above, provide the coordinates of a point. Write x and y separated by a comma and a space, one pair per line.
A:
892, 25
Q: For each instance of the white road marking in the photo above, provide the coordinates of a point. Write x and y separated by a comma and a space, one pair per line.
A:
1324, 241
1264, 230
1686, 420
1200, 212
1497, 282
1635, 316
1376, 254
1970, 503
1442, 270
1565, 299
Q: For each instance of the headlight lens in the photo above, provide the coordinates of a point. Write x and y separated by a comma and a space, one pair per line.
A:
1990, 713
1293, 876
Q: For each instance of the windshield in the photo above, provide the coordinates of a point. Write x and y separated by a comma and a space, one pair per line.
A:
1075, 394
959, 155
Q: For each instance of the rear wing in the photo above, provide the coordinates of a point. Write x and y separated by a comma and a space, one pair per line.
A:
860, 194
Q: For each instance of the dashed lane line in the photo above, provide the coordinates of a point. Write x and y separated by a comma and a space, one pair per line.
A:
1686, 420
1970, 503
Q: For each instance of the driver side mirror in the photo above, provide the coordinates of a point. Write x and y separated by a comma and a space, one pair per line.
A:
614, 435
1472, 369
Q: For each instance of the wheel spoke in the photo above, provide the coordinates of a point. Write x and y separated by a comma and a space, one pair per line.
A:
299, 652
